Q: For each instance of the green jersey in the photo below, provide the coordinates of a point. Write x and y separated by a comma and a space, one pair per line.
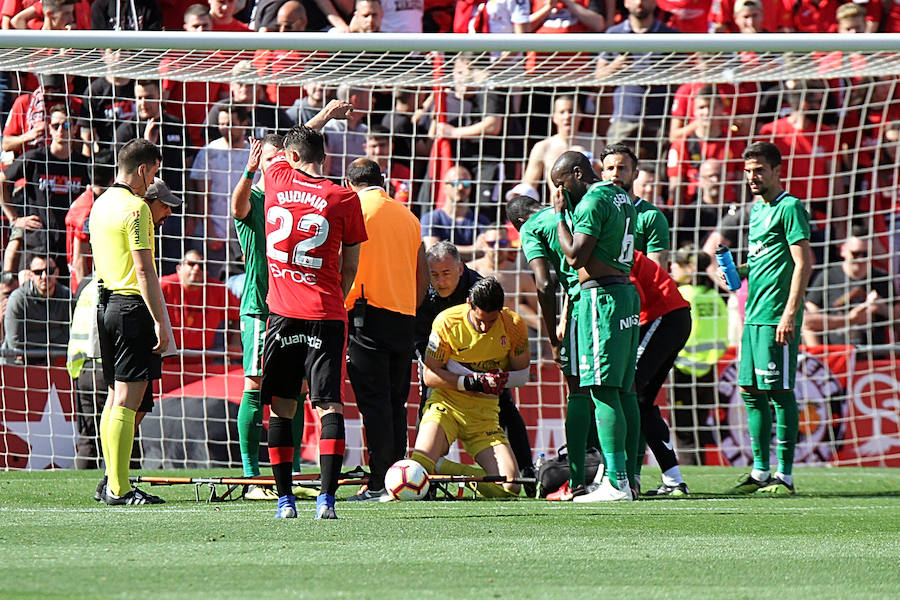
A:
607, 214
651, 231
252, 235
774, 226
539, 240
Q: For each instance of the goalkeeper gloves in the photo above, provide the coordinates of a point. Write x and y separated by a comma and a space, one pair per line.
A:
484, 383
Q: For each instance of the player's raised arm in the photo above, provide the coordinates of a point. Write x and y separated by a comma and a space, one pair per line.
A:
240, 196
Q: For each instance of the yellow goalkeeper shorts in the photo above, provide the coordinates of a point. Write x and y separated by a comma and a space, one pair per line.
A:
474, 422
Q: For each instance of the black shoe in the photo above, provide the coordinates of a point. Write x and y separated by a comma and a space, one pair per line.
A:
530, 489
100, 494
678, 490
133, 498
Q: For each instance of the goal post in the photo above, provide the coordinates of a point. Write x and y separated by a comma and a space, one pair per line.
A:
497, 98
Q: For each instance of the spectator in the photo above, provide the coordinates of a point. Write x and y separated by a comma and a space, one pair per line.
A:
402, 16
499, 262
379, 149
173, 12
265, 15
709, 136
849, 303
571, 16
367, 16
749, 16
37, 315
11, 8
291, 17
687, 16
812, 16
638, 110
475, 120
110, 102
26, 127
327, 15
222, 13
309, 104
265, 117
738, 104
190, 101
134, 15
694, 392
197, 304
78, 239
810, 153
54, 176
8, 283
55, 15
215, 172
879, 200
345, 140
390, 283
882, 15
454, 221
713, 187
646, 184
567, 118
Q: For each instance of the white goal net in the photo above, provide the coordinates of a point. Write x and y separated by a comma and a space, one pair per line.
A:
500, 107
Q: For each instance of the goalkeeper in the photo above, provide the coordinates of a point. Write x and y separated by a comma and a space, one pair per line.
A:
475, 350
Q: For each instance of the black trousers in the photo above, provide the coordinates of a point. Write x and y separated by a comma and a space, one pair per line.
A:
380, 360
661, 341
90, 393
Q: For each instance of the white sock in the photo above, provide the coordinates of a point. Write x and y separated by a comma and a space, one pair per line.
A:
672, 477
760, 475
788, 479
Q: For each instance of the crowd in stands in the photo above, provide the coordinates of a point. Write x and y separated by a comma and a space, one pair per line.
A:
839, 137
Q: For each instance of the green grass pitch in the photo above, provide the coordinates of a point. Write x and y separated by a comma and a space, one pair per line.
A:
839, 537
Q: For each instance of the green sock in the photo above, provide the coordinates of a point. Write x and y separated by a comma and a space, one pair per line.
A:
759, 422
611, 429
787, 425
297, 430
579, 422
249, 422
634, 439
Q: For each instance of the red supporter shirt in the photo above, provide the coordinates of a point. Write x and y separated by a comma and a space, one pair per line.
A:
812, 16
807, 156
659, 292
270, 63
687, 16
190, 101
308, 219
82, 16
196, 312
740, 101
77, 228
28, 110
889, 23
235, 25
686, 154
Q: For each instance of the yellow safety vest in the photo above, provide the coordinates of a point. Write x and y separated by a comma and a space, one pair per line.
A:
83, 340
709, 331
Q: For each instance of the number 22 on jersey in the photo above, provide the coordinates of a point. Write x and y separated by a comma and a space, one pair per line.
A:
299, 255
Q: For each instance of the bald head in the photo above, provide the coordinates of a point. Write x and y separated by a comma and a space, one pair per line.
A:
291, 17
573, 173
363, 173
570, 159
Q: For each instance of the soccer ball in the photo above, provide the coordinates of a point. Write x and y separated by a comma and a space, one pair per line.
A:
406, 480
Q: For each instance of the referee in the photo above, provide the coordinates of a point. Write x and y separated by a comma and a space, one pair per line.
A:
130, 310
390, 284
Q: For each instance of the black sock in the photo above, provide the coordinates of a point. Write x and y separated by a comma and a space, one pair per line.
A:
281, 453
331, 451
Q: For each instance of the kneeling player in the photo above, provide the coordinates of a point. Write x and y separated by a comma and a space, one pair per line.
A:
475, 350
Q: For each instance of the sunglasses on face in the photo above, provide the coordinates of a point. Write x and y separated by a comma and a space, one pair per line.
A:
460, 183
64, 125
497, 243
42, 272
193, 263
859, 254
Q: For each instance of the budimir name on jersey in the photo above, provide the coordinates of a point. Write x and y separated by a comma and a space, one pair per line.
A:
298, 197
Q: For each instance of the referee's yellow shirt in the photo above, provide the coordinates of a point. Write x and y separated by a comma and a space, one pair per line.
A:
120, 222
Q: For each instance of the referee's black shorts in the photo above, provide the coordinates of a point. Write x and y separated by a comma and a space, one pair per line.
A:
127, 338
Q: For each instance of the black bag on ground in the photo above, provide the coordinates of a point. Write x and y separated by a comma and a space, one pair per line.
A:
555, 471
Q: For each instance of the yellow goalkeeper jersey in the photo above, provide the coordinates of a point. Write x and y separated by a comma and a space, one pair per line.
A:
453, 337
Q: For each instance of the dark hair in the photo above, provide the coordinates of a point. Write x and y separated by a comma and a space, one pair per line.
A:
138, 152
797, 95
148, 82
519, 208
619, 149
486, 294
59, 107
363, 171
50, 5
307, 142
241, 113
442, 250
275, 140
379, 132
102, 171
767, 151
